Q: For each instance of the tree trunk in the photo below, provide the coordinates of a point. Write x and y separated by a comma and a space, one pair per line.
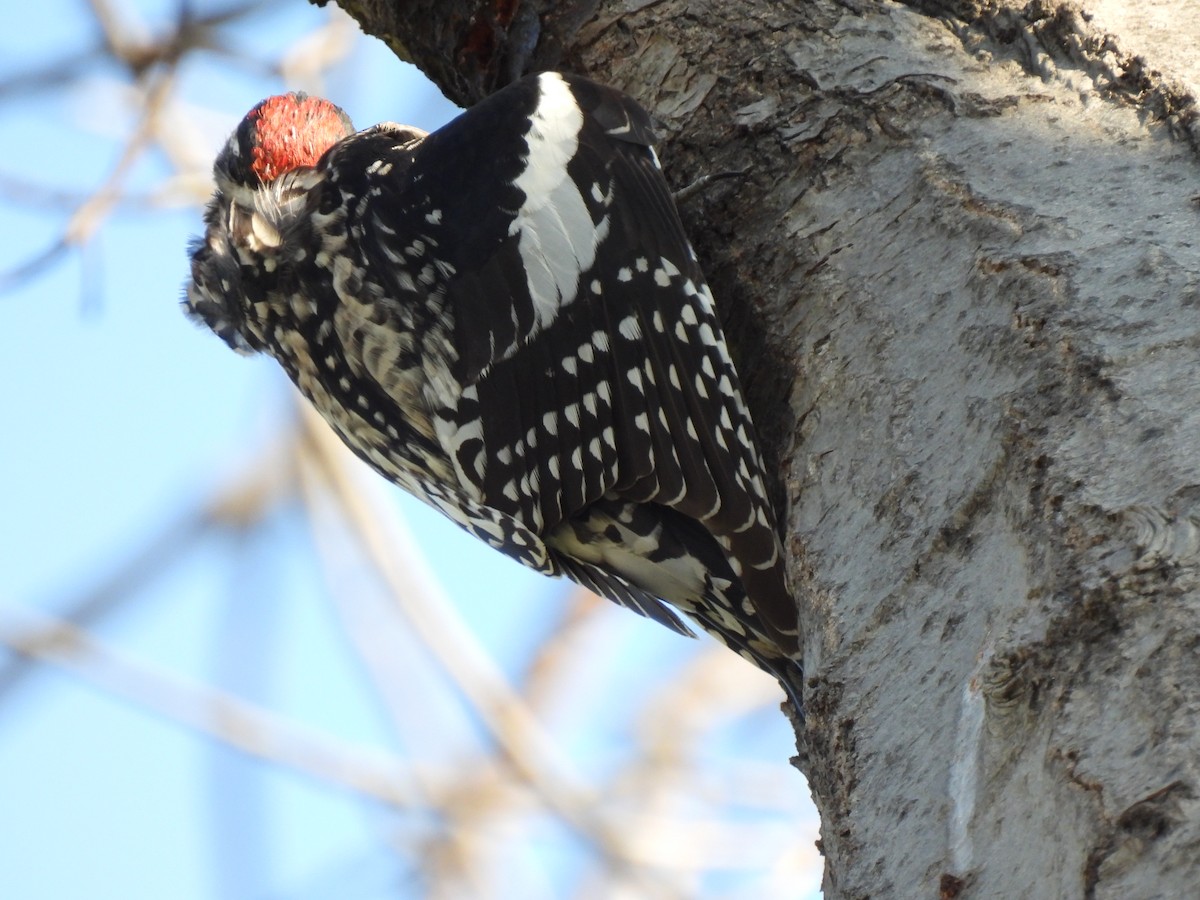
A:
961, 279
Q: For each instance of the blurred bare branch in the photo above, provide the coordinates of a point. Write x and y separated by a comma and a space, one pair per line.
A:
549, 672
527, 748
91, 214
144, 566
228, 719
129, 41
314, 55
51, 76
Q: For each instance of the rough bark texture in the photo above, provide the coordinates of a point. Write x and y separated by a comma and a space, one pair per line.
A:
962, 276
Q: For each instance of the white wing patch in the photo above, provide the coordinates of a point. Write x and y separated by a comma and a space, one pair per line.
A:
557, 239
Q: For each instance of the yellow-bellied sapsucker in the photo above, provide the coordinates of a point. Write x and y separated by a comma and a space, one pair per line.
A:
505, 318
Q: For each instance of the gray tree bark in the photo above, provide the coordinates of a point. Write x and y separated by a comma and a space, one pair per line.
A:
962, 278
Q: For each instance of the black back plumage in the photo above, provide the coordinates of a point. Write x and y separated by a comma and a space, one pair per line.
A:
556, 352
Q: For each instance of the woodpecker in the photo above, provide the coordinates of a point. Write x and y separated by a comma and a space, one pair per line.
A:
506, 319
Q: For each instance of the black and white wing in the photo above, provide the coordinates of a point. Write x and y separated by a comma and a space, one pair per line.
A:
567, 357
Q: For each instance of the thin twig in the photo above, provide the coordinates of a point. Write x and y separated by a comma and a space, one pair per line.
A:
223, 717
527, 747
146, 564
89, 216
547, 672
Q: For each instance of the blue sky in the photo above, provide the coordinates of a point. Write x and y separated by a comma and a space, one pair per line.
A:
120, 417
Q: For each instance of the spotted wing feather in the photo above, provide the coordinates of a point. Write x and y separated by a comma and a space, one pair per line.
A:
590, 375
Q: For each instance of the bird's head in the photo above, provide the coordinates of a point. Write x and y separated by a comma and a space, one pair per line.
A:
262, 175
